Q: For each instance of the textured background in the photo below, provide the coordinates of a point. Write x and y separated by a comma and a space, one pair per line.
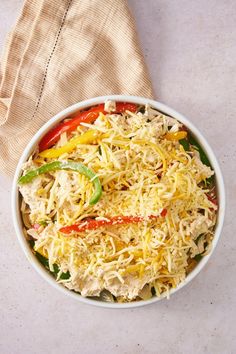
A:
190, 50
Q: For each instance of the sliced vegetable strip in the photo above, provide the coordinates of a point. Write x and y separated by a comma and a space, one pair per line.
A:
212, 199
185, 144
176, 136
86, 138
44, 261
202, 153
54, 135
212, 196
67, 165
93, 224
121, 107
190, 140
88, 116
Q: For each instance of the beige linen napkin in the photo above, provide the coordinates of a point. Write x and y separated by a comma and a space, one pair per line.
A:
59, 53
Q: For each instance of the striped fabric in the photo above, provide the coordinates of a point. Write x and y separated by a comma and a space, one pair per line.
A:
59, 53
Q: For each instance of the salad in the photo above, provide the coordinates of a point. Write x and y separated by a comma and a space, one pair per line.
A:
119, 202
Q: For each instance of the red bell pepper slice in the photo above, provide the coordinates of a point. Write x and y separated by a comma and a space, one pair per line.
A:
211, 196
88, 116
92, 224
125, 106
212, 199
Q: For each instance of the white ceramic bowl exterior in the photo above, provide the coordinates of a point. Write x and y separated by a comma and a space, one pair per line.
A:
70, 111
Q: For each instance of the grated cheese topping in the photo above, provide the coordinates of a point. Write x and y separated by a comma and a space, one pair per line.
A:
141, 174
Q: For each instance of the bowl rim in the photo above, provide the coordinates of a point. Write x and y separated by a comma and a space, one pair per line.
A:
71, 110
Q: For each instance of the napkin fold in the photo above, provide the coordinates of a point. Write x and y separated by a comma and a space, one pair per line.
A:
59, 53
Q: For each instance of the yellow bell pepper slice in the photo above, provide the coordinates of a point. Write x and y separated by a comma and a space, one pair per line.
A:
176, 136
86, 138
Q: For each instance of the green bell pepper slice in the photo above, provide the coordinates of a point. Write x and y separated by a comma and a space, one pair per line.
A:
66, 165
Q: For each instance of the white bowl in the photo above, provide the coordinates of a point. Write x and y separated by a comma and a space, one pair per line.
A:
69, 111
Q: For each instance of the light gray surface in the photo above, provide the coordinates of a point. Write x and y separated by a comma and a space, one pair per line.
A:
190, 49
